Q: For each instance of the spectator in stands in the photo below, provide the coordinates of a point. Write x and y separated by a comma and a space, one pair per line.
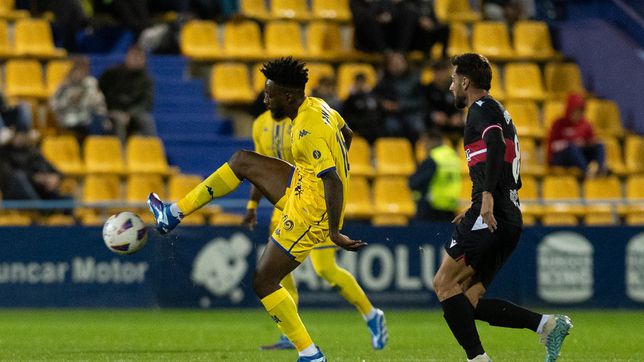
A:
441, 112
69, 18
78, 104
132, 14
429, 30
382, 26
361, 110
436, 184
129, 90
16, 118
572, 142
400, 97
509, 11
326, 89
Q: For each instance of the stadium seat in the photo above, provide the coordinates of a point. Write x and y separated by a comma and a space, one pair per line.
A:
614, 156
103, 155
531, 41
8, 10
491, 39
324, 40
337, 10
56, 71
199, 40
33, 37
561, 195
230, 83
290, 9
633, 153
529, 198
555, 217
359, 204
24, 78
394, 157
14, 218
317, 71
225, 219
392, 196
63, 152
524, 81
254, 9
562, 79
634, 207
552, 110
101, 188
525, 116
243, 40
347, 73
6, 50
532, 158
139, 187
603, 196
57, 220
259, 80
496, 86
283, 38
455, 10
146, 154
360, 158
459, 39
605, 117
178, 186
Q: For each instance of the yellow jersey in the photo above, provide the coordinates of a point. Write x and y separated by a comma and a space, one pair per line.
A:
273, 138
318, 147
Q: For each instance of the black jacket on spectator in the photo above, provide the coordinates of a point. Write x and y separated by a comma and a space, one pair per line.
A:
126, 89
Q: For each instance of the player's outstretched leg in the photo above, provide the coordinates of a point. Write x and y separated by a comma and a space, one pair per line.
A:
270, 175
323, 261
554, 331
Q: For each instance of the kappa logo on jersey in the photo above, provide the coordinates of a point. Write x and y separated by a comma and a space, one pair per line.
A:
304, 133
317, 154
221, 265
452, 244
209, 189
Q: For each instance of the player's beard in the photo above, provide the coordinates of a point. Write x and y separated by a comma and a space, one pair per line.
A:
278, 114
460, 101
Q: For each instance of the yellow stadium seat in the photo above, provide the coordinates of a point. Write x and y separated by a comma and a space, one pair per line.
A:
562, 79
6, 49
496, 86
254, 9
225, 219
283, 38
360, 158
562, 196
290, 9
8, 10
259, 79
324, 40
179, 185
243, 39
614, 156
359, 204
33, 37
552, 110
605, 117
525, 116
337, 10
455, 10
635, 219
532, 40
603, 197
58, 220
230, 83
392, 196
316, 72
139, 187
69, 186
635, 188
524, 81
13, 218
56, 72
491, 38
24, 78
558, 218
101, 188
459, 39
146, 154
532, 158
64, 153
529, 198
347, 73
199, 40
394, 157
103, 155
633, 153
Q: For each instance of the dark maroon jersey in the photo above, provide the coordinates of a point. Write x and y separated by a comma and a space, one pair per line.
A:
485, 115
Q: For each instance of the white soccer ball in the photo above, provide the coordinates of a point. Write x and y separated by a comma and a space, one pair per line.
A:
125, 233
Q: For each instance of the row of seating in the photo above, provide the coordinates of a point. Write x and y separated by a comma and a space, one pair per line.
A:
104, 154
26, 78
28, 37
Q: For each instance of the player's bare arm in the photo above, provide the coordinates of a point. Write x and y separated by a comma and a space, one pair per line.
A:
333, 196
347, 133
250, 220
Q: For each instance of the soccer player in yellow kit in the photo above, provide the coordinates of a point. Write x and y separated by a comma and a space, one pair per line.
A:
311, 195
273, 138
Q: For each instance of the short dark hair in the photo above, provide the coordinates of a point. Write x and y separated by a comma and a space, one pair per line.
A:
287, 72
476, 67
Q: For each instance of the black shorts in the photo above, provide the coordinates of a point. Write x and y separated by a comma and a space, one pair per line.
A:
483, 250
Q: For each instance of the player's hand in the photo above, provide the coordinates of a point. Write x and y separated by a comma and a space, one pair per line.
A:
459, 217
346, 243
250, 220
487, 211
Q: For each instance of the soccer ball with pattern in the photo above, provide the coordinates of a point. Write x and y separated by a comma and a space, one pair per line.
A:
125, 233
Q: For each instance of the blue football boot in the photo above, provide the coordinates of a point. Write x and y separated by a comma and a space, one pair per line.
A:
318, 357
165, 221
378, 328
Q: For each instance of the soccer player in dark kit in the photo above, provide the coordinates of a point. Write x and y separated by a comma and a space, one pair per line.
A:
486, 234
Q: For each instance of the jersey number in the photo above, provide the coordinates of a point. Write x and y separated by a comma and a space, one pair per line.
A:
516, 162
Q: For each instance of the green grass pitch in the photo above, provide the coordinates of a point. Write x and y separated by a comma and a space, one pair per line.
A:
234, 335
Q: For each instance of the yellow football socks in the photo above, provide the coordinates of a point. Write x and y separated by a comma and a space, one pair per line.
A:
220, 183
339, 278
289, 284
282, 309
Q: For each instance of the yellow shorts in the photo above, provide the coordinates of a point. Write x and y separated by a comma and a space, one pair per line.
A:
298, 239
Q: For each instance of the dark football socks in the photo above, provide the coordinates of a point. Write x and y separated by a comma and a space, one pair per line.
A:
459, 314
502, 313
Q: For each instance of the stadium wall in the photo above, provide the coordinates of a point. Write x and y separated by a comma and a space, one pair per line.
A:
205, 267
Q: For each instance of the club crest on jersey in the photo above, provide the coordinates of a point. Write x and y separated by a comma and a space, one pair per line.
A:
317, 154
467, 155
304, 133
507, 117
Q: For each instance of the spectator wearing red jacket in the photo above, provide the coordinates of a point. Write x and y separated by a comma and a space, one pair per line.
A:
572, 142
